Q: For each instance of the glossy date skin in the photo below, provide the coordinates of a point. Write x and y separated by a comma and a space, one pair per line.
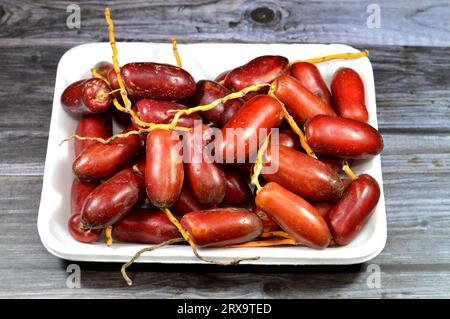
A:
303, 175
263, 69
94, 125
308, 75
294, 215
261, 112
148, 80
341, 137
299, 101
100, 161
112, 200
145, 226
78, 194
86, 97
351, 213
209, 91
164, 172
158, 112
238, 192
84, 236
222, 226
205, 178
348, 95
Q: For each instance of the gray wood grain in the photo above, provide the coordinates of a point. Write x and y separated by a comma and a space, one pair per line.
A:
413, 264
412, 86
403, 22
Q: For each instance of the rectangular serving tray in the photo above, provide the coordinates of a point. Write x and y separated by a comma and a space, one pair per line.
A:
203, 61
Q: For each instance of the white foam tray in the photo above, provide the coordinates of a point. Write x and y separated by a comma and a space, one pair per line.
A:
203, 61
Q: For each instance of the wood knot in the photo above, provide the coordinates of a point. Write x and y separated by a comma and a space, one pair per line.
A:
262, 15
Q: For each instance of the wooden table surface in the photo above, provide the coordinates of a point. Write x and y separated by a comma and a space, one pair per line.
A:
410, 57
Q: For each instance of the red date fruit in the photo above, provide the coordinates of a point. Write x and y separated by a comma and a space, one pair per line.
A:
94, 125
154, 111
100, 161
261, 112
148, 80
164, 173
303, 175
308, 75
263, 69
294, 215
300, 102
351, 213
348, 95
86, 97
205, 178
222, 226
145, 226
112, 200
341, 137
209, 91
84, 236
78, 194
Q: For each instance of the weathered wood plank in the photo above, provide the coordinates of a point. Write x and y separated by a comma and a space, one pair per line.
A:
401, 22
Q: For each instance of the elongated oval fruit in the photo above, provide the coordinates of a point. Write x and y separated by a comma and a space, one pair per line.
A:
263, 69
303, 175
294, 215
209, 91
149, 80
112, 200
186, 203
85, 236
78, 194
341, 137
161, 112
205, 178
241, 136
308, 75
86, 97
222, 226
348, 95
299, 101
164, 173
145, 226
100, 161
94, 125
351, 213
